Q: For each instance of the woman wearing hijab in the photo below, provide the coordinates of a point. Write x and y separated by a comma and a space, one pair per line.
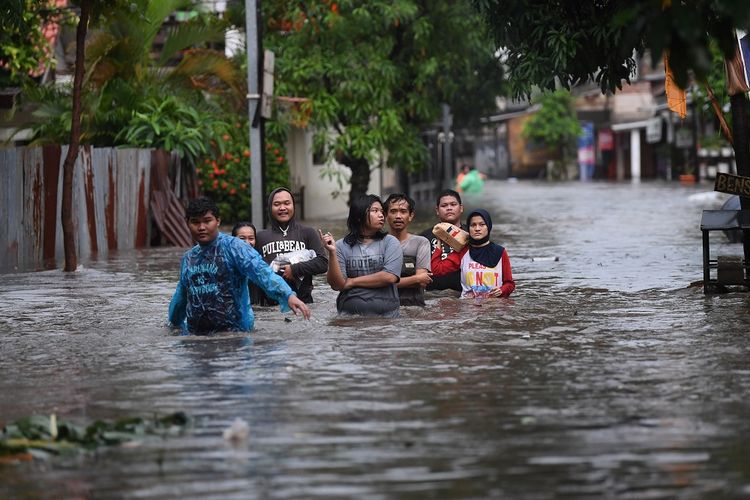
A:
484, 266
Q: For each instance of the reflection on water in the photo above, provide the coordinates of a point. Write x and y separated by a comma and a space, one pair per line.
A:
604, 376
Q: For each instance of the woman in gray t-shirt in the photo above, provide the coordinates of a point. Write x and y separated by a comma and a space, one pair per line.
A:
365, 265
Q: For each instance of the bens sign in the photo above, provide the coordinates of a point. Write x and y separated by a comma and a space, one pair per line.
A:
732, 184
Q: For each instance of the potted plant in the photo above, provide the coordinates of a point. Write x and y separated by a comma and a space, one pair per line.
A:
688, 174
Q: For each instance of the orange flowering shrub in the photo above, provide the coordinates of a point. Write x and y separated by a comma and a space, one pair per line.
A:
224, 175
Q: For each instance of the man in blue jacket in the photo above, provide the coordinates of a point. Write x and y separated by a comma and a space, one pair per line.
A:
212, 294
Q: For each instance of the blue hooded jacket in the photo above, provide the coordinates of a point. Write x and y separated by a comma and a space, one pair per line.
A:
212, 294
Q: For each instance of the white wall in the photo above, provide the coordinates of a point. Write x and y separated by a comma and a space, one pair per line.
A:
321, 200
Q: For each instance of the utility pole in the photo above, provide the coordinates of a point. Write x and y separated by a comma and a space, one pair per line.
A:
254, 43
448, 173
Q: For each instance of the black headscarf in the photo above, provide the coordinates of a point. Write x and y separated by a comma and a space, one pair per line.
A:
488, 255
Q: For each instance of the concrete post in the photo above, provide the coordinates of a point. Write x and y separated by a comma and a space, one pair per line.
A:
635, 154
252, 10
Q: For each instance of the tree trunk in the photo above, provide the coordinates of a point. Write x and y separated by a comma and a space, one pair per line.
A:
740, 126
66, 214
360, 180
742, 155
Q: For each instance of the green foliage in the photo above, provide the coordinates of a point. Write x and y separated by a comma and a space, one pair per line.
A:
716, 79
276, 162
224, 172
175, 120
52, 117
23, 48
41, 436
124, 87
129, 100
122, 49
171, 124
376, 72
591, 40
555, 123
123, 113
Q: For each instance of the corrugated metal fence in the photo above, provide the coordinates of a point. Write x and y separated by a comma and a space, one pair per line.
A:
111, 191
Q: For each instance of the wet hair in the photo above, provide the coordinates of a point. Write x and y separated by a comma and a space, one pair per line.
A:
395, 197
448, 192
358, 213
201, 206
241, 224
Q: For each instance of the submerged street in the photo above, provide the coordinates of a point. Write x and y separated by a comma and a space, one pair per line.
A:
605, 375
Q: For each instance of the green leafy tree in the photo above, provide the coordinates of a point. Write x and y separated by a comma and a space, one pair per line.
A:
716, 83
22, 45
118, 57
376, 72
167, 123
122, 78
568, 43
555, 124
129, 99
89, 9
592, 40
224, 172
595, 40
122, 50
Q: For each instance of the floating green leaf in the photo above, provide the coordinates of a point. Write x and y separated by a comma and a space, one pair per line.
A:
40, 436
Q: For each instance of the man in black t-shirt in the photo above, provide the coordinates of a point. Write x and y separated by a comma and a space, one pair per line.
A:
448, 209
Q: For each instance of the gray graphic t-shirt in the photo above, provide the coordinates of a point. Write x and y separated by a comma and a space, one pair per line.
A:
418, 248
361, 260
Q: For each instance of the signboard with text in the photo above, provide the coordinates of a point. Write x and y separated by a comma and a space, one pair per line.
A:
653, 130
732, 184
586, 158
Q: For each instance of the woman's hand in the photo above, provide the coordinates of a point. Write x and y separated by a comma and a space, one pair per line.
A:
328, 242
496, 292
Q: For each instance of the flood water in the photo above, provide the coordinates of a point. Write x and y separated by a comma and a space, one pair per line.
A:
605, 375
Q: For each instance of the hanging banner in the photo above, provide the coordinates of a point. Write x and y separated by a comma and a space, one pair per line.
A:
586, 158
676, 97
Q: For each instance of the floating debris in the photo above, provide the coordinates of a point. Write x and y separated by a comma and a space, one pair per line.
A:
237, 432
40, 436
545, 259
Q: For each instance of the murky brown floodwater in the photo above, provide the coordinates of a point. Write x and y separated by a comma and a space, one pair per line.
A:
604, 377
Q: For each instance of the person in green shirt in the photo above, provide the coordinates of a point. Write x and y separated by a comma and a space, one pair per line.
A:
472, 182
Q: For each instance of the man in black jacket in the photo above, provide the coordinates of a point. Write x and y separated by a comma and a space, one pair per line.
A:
287, 235
448, 209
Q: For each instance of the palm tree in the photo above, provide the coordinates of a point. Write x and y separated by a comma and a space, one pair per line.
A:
110, 60
123, 49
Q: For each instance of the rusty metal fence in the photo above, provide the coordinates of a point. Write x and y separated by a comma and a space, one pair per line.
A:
111, 198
